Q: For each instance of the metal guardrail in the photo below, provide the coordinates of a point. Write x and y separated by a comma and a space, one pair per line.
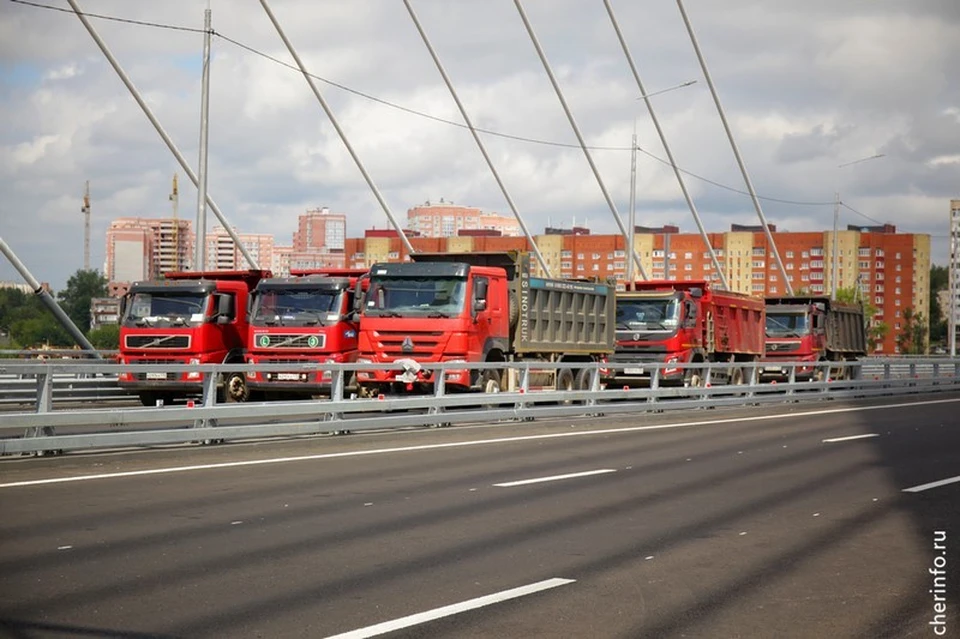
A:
47, 431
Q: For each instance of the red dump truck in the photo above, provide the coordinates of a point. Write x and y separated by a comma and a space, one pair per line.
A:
307, 318
672, 322
187, 318
480, 307
811, 329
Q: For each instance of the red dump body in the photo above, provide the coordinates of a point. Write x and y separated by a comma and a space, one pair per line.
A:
666, 321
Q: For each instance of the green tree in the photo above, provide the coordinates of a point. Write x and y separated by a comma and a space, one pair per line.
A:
75, 299
876, 331
37, 331
939, 281
105, 338
912, 338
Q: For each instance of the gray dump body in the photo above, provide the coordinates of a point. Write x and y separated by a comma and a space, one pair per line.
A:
549, 316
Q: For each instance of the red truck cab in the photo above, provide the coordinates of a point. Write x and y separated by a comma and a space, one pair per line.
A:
307, 318
684, 322
187, 318
432, 312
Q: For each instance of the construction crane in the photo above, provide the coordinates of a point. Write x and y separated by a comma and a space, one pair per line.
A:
175, 198
85, 209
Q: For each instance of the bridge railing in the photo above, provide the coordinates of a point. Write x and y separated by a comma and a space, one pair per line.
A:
204, 420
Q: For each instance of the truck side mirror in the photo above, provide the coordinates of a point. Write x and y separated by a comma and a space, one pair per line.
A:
225, 309
480, 305
696, 292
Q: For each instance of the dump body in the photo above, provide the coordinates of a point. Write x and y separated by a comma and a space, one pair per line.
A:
673, 322
479, 307
308, 320
187, 318
811, 329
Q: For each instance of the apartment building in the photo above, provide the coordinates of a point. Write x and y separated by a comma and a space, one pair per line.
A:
143, 248
446, 219
891, 269
222, 253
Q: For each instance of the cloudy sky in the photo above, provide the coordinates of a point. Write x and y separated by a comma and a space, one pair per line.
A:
806, 86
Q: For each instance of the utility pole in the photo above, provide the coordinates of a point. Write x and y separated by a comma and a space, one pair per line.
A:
175, 198
85, 209
201, 252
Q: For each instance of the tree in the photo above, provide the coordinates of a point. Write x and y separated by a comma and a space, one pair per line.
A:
75, 299
939, 281
105, 338
876, 331
912, 339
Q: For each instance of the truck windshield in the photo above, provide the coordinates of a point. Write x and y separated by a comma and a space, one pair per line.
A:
648, 314
786, 324
415, 297
295, 307
165, 309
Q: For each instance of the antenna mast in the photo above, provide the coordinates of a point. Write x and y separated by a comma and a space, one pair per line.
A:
85, 209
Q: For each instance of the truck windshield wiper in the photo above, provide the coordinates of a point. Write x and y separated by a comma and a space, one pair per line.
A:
389, 314
438, 314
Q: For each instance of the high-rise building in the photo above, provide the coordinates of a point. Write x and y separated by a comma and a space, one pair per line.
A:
222, 253
446, 219
143, 248
320, 230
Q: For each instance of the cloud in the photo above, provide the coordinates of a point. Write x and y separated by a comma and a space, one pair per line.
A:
806, 87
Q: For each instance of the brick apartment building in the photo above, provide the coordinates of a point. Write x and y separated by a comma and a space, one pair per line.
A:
892, 269
446, 219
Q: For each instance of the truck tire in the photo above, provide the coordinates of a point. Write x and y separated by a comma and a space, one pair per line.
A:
513, 310
235, 388
565, 383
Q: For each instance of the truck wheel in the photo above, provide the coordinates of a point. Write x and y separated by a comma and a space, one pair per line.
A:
513, 310
692, 379
235, 388
149, 399
565, 382
736, 378
491, 382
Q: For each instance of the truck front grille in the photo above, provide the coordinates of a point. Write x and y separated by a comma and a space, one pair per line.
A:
401, 344
157, 341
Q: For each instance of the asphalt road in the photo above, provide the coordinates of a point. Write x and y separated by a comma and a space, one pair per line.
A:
716, 523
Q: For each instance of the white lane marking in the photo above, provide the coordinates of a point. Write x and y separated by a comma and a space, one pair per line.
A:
453, 609
523, 482
933, 484
846, 439
479, 442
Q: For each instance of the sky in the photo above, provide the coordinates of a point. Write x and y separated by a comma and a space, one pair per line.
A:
806, 87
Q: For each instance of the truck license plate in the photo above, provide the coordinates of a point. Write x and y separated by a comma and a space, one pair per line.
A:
288, 377
633, 371
156, 375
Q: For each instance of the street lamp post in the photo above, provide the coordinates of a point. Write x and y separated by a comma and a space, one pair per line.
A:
835, 265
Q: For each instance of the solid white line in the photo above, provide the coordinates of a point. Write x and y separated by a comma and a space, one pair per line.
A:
480, 442
446, 611
933, 484
846, 439
538, 480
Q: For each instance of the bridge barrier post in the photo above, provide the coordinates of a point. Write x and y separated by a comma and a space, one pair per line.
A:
936, 373
886, 370
439, 390
791, 379
654, 383
336, 393
209, 401
44, 404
